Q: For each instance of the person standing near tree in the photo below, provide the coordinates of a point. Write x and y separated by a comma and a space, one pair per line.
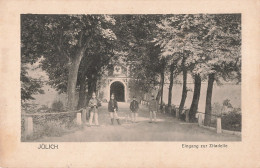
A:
93, 104
153, 108
112, 109
134, 106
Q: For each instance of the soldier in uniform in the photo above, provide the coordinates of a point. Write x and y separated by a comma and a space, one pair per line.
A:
134, 106
112, 109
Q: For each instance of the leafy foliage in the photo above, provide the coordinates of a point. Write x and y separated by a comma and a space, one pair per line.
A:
29, 86
135, 34
232, 121
57, 106
62, 41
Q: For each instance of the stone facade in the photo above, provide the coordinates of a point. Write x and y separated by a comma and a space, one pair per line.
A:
116, 81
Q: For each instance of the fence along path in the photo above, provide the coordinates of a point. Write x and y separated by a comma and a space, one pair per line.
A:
28, 118
81, 118
200, 116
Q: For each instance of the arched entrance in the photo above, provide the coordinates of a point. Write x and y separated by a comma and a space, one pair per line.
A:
118, 89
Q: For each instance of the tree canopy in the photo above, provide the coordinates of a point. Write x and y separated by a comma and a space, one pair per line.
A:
77, 49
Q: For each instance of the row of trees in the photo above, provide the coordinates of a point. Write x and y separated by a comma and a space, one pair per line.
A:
77, 49
208, 47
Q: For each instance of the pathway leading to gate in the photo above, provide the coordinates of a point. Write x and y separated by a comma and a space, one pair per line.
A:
167, 128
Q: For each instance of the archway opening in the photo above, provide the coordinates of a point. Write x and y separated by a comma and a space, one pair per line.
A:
118, 89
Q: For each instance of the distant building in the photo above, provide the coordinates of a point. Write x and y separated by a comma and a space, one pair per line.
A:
116, 82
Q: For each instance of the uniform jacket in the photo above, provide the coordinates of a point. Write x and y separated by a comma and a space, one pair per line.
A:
134, 105
112, 104
94, 103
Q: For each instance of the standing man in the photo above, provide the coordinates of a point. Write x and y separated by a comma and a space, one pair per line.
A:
93, 104
112, 109
134, 106
153, 108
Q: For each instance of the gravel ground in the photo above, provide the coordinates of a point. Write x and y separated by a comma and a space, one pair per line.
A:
167, 128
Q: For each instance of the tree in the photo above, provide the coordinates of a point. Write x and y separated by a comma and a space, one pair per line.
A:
136, 40
92, 68
225, 53
63, 40
199, 41
172, 73
178, 40
29, 85
198, 62
195, 99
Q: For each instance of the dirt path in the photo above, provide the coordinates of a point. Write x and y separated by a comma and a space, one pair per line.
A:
166, 129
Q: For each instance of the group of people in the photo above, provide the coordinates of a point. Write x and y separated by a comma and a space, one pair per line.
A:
94, 104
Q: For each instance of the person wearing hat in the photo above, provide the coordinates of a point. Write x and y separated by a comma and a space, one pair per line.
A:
153, 108
112, 109
134, 106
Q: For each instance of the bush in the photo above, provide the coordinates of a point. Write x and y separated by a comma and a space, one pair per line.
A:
231, 121
49, 128
183, 114
57, 106
29, 107
173, 110
216, 109
213, 122
49, 125
227, 103
44, 108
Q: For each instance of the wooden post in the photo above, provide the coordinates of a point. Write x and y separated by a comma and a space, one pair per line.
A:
177, 113
200, 119
83, 116
187, 115
219, 129
163, 109
170, 109
79, 118
28, 124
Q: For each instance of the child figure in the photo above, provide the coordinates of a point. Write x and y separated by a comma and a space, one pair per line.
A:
134, 106
93, 104
112, 109
153, 108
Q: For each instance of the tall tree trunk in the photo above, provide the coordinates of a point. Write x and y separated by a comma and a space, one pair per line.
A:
184, 86
170, 86
89, 89
72, 80
196, 98
82, 92
208, 99
158, 96
92, 84
162, 84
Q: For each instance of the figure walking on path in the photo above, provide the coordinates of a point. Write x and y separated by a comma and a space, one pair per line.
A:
153, 108
134, 106
93, 104
112, 109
